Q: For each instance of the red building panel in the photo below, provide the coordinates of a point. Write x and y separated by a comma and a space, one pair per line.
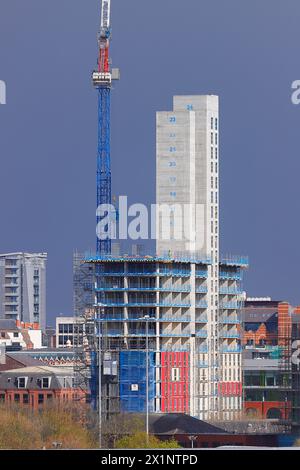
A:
230, 389
175, 382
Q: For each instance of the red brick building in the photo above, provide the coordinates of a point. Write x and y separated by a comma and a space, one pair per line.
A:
267, 327
35, 386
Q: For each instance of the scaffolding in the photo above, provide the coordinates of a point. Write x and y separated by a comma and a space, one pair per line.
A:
84, 328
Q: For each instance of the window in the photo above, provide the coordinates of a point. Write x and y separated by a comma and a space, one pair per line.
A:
17, 398
2, 397
40, 398
25, 398
45, 382
270, 381
16, 334
21, 382
175, 374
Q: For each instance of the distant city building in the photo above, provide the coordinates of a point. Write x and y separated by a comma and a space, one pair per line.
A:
15, 335
23, 287
269, 391
69, 331
49, 337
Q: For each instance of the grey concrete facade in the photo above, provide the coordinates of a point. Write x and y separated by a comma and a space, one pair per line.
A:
187, 175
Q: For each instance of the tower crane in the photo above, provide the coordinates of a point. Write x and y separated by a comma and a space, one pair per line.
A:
102, 81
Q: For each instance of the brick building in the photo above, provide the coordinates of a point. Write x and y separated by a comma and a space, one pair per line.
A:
266, 343
36, 386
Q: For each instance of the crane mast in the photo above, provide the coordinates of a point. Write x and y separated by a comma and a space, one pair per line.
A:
102, 81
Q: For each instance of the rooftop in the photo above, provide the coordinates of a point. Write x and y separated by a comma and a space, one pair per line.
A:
184, 257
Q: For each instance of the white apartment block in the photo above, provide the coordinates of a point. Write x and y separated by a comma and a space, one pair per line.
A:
23, 287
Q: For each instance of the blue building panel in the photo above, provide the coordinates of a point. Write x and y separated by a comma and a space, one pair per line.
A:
133, 381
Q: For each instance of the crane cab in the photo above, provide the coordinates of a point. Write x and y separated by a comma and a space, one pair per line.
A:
101, 79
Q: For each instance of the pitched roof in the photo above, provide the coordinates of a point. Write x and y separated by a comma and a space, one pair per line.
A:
179, 423
24, 359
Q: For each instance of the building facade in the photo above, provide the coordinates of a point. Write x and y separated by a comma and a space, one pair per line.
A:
16, 335
267, 356
161, 305
187, 184
23, 287
36, 386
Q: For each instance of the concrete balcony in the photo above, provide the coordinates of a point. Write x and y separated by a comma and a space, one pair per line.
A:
201, 274
226, 349
201, 290
230, 305
231, 321
174, 319
201, 334
201, 319
230, 335
228, 275
230, 291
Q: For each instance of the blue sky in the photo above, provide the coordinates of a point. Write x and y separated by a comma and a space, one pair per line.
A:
245, 51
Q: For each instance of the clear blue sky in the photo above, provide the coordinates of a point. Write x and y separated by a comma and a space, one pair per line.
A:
246, 51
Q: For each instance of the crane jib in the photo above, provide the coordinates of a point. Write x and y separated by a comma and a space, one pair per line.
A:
105, 14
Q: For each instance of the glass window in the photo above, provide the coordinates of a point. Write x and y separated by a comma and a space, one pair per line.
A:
40, 398
45, 382
21, 381
25, 398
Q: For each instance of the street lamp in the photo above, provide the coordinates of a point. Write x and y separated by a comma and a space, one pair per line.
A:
146, 318
192, 439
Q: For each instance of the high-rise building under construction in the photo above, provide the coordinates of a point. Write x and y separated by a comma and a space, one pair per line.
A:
167, 325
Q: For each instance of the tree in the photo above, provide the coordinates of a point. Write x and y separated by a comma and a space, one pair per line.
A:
121, 425
22, 428
139, 440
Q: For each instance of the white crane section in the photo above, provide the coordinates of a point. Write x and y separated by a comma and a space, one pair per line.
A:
105, 15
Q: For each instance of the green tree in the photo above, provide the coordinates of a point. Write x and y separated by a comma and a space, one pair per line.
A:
139, 440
